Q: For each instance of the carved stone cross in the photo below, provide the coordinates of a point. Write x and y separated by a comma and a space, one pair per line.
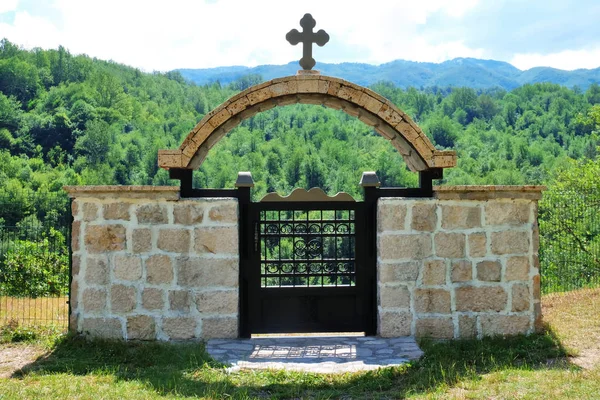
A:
307, 37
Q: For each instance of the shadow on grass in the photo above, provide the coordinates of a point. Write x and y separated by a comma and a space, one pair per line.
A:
186, 369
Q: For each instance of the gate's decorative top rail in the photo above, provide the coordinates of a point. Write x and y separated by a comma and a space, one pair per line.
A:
300, 194
371, 108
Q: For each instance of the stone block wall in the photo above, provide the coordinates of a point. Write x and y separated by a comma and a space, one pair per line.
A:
148, 265
463, 264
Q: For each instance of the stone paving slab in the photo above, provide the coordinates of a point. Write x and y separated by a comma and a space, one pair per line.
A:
314, 354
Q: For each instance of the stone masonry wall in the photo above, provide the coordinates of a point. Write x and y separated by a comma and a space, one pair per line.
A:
457, 268
147, 265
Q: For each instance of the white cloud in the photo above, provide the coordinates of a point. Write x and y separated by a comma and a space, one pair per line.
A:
8, 5
31, 31
163, 35
567, 60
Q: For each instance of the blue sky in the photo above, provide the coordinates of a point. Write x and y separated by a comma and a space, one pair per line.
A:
163, 35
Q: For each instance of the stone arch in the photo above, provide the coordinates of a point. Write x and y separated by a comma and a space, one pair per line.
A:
371, 108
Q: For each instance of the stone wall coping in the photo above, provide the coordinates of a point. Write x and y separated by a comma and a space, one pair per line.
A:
167, 192
490, 188
484, 192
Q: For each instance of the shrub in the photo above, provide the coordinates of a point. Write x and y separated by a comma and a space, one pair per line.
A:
35, 269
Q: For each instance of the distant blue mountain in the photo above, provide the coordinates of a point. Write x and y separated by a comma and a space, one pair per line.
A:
470, 72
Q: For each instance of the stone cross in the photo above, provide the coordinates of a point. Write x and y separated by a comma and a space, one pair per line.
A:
307, 37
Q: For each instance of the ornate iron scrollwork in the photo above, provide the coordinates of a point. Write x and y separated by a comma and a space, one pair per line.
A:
302, 248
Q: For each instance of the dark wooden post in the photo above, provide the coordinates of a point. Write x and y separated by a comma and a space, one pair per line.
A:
185, 178
244, 184
426, 180
370, 183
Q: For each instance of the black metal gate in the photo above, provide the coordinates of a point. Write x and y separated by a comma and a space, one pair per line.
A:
307, 269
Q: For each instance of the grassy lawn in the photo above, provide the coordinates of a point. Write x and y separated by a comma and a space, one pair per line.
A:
531, 367
38, 311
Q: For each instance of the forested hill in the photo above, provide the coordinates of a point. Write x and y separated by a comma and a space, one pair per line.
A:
469, 72
68, 120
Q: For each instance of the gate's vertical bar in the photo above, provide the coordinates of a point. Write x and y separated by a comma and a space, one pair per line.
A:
243, 184
370, 183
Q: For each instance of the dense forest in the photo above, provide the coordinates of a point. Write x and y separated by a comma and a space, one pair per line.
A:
72, 120
68, 120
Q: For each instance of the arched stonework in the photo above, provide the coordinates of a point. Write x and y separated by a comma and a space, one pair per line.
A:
371, 108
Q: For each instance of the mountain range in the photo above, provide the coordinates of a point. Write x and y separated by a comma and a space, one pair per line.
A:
470, 72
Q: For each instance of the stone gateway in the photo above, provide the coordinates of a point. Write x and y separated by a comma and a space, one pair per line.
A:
179, 263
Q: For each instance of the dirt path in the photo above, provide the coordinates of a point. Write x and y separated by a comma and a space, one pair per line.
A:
588, 359
13, 357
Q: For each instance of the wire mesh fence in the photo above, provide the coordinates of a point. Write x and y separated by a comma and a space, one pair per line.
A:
34, 259
570, 240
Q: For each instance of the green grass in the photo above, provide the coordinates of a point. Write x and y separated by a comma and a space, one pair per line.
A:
530, 367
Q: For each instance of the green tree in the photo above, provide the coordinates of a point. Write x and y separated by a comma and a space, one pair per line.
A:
569, 228
95, 142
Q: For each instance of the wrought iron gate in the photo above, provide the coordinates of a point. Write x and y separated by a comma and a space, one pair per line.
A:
307, 269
